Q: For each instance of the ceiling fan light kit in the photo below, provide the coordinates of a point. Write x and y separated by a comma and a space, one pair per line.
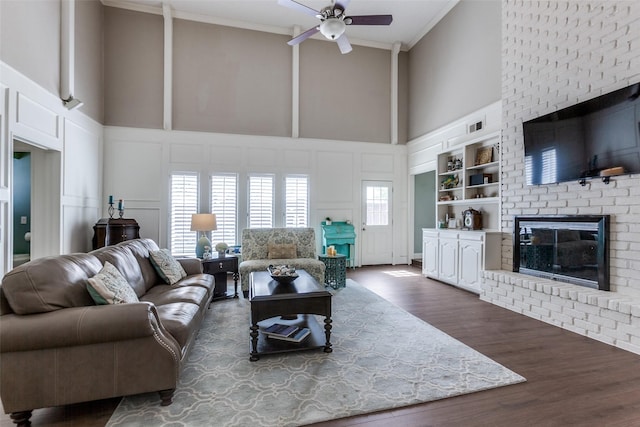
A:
334, 22
332, 28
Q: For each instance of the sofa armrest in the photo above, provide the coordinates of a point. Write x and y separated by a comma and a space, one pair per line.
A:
80, 326
191, 265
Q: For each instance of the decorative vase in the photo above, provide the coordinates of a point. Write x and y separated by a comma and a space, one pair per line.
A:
221, 254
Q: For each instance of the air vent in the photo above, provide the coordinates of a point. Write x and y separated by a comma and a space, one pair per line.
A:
475, 127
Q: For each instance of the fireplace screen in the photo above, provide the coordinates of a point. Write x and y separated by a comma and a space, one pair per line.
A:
571, 249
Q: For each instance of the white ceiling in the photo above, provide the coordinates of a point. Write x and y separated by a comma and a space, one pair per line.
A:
412, 19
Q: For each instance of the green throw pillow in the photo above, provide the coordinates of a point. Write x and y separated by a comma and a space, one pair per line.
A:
167, 266
110, 287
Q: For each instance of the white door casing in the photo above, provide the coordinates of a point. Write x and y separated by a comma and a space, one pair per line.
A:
377, 229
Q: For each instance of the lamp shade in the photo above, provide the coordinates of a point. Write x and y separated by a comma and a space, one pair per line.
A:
203, 222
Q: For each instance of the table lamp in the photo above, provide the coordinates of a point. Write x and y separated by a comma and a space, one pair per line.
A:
203, 223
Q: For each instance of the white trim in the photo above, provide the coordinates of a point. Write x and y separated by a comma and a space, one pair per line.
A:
168, 67
295, 87
394, 92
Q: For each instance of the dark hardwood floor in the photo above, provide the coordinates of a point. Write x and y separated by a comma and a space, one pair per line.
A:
571, 380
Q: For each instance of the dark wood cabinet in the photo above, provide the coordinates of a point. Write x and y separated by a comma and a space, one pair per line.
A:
109, 231
219, 267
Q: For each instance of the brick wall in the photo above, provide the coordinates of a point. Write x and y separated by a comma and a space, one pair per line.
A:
555, 54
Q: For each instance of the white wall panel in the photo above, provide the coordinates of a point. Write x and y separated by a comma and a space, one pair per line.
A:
377, 163
225, 156
186, 153
82, 150
335, 171
36, 122
296, 158
133, 171
149, 221
259, 159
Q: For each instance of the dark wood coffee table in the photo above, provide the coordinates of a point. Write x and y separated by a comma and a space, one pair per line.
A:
294, 303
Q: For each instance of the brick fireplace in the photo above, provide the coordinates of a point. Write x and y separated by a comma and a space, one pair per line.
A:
557, 54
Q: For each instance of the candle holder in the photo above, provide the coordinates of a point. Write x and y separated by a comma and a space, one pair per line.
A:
121, 212
111, 210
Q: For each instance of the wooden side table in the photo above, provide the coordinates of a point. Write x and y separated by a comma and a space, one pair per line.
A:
218, 268
335, 274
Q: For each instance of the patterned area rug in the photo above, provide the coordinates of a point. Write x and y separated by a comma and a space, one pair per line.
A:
383, 357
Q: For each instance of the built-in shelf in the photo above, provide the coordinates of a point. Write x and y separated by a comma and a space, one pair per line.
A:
474, 167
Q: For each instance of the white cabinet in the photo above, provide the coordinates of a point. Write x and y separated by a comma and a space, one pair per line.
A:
458, 257
448, 252
429, 253
471, 254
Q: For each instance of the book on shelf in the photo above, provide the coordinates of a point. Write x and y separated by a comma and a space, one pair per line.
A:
297, 336
280, 330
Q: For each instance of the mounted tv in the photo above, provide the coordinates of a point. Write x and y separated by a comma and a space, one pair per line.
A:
598, 137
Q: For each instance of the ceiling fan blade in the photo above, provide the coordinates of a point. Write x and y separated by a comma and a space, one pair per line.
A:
299, 7
371, 20
302, 37
343, 44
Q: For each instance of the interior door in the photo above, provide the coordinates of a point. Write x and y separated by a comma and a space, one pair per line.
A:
377, 230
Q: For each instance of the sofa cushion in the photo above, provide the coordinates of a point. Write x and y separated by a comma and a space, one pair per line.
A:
110, 287
140, 248
167, 266
165, 294
122, 258
180, 319
50, 283
280, 251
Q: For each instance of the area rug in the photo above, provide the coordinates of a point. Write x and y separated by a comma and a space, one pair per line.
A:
383, 358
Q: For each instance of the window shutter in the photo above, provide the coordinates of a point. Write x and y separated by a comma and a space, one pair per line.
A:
224, 204
260, 201
184, 203
296, 201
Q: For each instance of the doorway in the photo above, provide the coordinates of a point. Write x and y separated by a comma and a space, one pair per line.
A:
377, 224
43, 200
21, 207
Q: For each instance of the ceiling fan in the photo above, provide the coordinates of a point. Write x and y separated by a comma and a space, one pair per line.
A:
333, 22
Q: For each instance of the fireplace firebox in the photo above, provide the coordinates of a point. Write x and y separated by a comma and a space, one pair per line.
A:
567, 248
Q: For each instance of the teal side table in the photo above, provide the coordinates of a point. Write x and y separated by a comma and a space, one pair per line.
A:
335, 274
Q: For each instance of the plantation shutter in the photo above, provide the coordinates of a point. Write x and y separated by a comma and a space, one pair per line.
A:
184, 203
296, 201
260, 201
224, 204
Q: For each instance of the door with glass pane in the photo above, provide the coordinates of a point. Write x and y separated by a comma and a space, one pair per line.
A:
377, 230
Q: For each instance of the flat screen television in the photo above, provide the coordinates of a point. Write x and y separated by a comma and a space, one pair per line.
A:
581, 141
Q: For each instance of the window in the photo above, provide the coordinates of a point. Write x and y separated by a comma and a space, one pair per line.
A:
224, 197
260, 201
377, 205
296, 201
184, 203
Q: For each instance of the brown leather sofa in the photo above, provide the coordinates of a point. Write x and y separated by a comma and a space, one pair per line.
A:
58, 347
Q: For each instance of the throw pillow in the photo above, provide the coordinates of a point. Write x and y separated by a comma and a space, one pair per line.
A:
110, 287
167, 266
281, 251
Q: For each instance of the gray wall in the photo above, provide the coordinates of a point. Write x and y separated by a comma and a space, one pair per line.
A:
30, 43
30, 40
230, 80
424, 210
89, 80
133, 68
455, 69
345, 96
